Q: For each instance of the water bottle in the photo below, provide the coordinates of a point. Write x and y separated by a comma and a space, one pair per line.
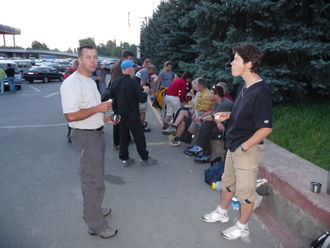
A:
235, 203
216, 185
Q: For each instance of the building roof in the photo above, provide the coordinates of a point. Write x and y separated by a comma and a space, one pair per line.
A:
9, 30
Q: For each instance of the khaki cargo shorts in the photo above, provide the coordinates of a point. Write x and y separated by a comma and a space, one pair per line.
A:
241, 171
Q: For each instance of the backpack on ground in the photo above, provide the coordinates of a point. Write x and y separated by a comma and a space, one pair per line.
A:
214, 173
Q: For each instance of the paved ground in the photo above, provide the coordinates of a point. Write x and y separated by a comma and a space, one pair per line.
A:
40, 197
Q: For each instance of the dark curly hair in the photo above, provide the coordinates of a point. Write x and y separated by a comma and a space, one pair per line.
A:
252, 53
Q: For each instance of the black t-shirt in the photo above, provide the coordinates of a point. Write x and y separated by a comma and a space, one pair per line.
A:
10, 72
251, 111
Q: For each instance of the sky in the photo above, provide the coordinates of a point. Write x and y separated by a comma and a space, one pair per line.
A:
62, 23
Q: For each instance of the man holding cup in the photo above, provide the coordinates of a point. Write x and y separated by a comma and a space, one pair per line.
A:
83, 109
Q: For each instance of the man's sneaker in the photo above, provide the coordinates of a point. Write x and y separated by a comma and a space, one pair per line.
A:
169, 130
215, 216
128, 162
148, 162
106, 211
146, 129
192, 151
235, 232
165, 126
107, 233
174, 143
203, 159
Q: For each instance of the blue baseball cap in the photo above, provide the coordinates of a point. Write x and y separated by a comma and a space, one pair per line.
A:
127, 64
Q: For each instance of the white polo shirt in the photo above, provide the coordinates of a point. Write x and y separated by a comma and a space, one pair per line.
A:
80, 92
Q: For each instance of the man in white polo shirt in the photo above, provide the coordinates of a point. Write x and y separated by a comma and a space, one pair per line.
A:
83, 109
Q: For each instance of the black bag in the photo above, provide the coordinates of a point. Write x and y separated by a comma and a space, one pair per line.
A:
214, 173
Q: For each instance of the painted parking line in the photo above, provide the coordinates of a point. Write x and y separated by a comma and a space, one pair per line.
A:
34, 88
156, 143
50, 95
26, 126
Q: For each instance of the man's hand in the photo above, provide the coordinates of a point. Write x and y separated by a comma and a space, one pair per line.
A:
107, 119
146, 89
207, 118
196, 119
104, 106
221, 116
220, 127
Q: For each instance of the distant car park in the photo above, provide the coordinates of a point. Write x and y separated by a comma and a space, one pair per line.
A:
44, 73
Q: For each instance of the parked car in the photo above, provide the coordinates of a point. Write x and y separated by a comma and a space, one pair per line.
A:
44, 73
56, 65
18, 76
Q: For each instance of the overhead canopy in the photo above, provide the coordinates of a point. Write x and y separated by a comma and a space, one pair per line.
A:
9, 30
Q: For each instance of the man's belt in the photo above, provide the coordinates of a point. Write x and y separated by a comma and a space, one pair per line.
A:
97, 129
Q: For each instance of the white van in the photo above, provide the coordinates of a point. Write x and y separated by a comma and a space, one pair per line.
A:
18, 76
23, 65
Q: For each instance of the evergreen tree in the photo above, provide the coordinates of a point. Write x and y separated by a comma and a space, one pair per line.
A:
199, 35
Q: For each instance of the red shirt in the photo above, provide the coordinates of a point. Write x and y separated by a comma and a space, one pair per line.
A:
178, 88
229, 97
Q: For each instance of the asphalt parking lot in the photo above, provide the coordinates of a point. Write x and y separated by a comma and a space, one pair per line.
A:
41, 202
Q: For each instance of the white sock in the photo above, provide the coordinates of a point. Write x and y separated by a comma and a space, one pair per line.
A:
221, 211
242, 226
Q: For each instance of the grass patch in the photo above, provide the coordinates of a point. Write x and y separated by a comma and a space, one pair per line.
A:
304, 130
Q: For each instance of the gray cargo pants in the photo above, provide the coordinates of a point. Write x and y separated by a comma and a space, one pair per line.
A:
90, 147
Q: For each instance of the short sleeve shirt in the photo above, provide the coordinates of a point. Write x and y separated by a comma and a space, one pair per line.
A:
251, 111
224, 106
167, 78
143, 75
204, 101
80, 92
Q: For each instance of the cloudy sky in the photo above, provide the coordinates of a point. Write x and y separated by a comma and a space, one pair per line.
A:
61, 23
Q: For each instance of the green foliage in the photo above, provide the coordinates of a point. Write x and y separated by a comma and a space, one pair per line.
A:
87, 41
304, 130
39, 46
110, 49
199, 35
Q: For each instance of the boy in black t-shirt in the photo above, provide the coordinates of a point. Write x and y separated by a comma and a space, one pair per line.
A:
250, 122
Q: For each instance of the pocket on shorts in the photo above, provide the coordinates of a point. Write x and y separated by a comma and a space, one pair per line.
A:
246, 160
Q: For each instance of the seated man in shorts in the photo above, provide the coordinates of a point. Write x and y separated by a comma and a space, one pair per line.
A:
204, 105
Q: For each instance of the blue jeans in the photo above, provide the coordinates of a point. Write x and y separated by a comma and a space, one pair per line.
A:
11, 85
2, 89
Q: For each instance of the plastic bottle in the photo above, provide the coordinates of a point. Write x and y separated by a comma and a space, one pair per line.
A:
216, 185
235, 203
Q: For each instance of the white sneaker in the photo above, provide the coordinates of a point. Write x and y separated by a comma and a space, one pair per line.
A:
173, 143
215, 216
235, 232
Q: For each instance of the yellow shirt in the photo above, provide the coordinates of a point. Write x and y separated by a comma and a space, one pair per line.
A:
205, 101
